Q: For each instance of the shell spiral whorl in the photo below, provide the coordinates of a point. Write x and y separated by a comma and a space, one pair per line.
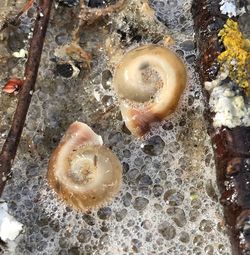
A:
82, 171
149, 82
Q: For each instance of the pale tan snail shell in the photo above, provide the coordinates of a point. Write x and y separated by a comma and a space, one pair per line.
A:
149, 81
82, 171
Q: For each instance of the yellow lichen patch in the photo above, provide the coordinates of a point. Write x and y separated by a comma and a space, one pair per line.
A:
236, 56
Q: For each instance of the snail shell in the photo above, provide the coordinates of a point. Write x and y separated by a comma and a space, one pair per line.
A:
149, 82
82, 171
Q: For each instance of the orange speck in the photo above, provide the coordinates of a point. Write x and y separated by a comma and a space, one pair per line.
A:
13, 86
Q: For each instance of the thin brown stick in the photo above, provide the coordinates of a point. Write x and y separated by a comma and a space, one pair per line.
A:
9, 149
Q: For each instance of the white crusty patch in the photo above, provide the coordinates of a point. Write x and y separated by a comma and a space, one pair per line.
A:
228, 7
20, 54
230, 107
9, 226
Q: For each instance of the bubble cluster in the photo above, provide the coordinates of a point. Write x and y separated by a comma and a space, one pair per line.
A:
168, 203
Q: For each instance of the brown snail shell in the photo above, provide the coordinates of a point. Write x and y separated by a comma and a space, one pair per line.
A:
149, 81
82, 171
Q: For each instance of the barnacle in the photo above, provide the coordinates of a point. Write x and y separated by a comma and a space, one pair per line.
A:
149, 81
82, 171
236, 56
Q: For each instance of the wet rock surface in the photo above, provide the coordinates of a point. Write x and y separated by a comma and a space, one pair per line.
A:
168, 200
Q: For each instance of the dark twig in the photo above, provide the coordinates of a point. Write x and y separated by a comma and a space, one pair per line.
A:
9, 149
